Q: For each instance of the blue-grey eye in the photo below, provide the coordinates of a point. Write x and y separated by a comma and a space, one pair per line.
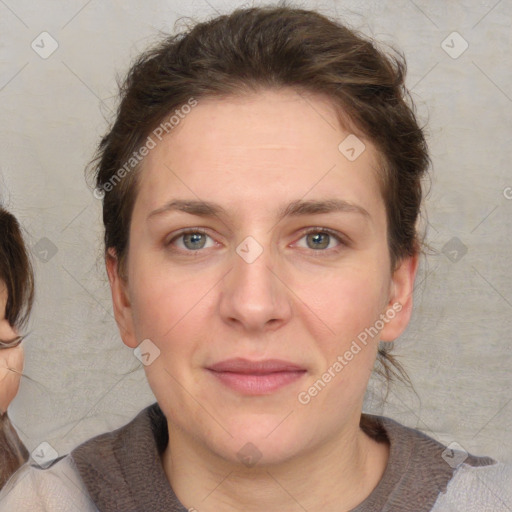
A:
319, 240
196, 240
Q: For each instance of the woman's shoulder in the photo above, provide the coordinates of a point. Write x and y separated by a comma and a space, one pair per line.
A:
477, 488
104, 469
436, 477
57, 487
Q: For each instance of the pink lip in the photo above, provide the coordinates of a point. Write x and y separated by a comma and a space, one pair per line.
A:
240, 365
256, 377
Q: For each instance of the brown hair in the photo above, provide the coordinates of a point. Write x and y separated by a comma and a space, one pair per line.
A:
263, 48
15, 270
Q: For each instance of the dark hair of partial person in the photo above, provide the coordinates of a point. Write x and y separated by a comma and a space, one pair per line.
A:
17, 276
15, 270
270, 48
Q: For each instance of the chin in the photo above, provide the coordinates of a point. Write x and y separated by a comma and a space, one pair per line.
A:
258, 441
257, 453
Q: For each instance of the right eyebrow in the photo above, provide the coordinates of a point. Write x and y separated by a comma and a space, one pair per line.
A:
200, 208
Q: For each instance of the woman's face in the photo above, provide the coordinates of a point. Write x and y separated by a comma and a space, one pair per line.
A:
9, 358
7, 332
252, 284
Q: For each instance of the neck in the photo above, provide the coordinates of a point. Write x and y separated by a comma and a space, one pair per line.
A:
351, 466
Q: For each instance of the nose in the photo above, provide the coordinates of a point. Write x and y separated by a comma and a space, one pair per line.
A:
253, 296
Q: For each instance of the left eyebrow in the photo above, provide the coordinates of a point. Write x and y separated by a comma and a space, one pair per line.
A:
314, 207
293, 209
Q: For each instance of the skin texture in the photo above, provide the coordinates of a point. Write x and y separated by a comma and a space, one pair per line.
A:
254, 155
9, 358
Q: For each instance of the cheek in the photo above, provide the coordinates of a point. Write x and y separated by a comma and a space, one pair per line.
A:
344, 302
345, 338
169, 308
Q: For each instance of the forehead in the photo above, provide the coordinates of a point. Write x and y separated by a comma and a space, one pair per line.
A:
257, 147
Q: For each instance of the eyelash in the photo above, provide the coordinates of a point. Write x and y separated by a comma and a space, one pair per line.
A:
343, 242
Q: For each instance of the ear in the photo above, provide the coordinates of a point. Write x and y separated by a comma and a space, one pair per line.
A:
399, 308
120, 300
